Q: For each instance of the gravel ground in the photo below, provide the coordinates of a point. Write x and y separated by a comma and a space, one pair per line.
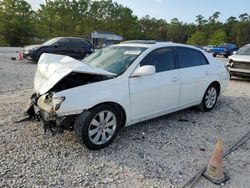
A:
164, 152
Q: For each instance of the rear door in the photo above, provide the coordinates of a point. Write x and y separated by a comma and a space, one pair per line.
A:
61, 47
77, 48
152, 95
194, 74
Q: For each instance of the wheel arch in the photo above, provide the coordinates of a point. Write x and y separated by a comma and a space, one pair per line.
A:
217, 85
119, 109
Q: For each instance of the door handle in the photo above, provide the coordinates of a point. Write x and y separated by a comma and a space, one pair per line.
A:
175, 79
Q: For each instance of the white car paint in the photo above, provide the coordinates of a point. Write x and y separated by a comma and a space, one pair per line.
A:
52, 68
141, 98
239, 63
242, 58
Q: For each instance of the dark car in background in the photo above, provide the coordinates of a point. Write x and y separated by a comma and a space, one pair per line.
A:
75, 47
225, 50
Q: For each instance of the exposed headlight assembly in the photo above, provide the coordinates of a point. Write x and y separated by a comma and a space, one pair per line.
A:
49, 103
56, 102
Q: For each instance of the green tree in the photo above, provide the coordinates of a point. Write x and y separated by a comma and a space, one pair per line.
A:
218, 37
200, 22
198, 38
16, 22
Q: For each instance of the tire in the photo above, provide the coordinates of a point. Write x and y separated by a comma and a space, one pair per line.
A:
214, 54
93, 132
209, 99
226, 56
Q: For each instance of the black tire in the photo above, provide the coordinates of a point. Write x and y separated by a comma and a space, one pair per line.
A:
214, 54
203, 106
83, 124
226, 56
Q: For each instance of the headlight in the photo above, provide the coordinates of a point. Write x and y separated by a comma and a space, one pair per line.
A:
56, 102
49, 103
230, 63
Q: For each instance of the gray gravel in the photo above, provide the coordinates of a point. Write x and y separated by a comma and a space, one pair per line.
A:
164, 152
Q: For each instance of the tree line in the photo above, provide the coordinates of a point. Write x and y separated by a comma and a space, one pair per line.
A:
21, 25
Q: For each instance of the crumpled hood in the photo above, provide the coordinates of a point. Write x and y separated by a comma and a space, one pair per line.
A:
242, 58
52, 68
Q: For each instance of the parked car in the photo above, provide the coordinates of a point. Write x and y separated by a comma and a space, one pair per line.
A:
74, 47
121, 85
209, 48
239, 63
225, 50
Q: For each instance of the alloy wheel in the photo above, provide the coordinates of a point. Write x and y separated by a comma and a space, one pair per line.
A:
102, 127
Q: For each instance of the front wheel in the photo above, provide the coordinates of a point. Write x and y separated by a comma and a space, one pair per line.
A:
209, 99
97, 127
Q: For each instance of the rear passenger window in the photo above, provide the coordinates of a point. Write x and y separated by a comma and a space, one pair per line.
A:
63, 42
163, 59
190, 57
77, 42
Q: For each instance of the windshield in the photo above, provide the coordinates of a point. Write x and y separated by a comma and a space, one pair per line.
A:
115, 59
245, 50
51, 41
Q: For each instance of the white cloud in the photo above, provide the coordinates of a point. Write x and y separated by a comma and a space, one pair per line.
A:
35, 3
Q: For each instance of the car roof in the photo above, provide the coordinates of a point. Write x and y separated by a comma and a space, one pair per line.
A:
70, 38
153, 44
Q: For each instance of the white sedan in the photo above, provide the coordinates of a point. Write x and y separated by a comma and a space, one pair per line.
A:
122, 85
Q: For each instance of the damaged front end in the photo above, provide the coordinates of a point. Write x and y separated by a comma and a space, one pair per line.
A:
43, 108
57, 73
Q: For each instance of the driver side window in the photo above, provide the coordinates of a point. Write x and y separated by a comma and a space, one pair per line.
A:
163, 59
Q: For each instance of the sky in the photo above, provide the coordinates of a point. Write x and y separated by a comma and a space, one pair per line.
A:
184, 10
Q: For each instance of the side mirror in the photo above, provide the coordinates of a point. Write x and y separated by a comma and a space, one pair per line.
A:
145, 70
235, 52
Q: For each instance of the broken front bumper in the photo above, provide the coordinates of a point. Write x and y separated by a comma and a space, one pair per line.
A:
39, 110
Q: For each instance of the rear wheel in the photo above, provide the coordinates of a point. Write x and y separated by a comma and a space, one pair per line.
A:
97, 127
209, 99
214, 54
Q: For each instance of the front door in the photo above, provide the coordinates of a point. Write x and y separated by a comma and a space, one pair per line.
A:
152, 95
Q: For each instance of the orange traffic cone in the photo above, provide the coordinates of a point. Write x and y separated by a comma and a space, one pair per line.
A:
215, 172
20, 56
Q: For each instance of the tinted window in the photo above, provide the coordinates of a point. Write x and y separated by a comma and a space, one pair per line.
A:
163, 59
190, 57
203, 59
63, 42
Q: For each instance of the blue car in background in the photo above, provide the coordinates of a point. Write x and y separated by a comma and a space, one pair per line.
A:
225, 50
